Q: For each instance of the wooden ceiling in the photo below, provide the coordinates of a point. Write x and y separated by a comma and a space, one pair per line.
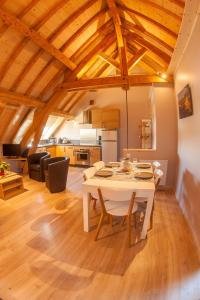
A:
52, 50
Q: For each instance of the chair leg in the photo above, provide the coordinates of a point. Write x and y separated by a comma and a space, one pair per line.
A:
94, 203
110, 220
129, 230
123, 220
151, 218
99, 226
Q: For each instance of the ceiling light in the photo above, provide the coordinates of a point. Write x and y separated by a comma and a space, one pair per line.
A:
162, 75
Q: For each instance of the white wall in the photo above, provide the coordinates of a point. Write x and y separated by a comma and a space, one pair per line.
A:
188, 187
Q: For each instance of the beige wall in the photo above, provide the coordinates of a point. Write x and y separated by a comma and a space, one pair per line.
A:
188, 187
166, 132
139, 107
139, 99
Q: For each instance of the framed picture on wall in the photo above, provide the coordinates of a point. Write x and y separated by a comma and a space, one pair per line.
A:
185, 102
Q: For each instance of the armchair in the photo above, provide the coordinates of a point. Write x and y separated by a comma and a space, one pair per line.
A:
35, 165
56, 171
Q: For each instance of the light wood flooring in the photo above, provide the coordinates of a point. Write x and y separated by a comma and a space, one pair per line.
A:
44, 253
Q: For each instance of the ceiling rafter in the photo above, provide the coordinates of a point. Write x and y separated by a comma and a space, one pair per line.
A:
79, 52
39, 77
84, 27
147, 60
36, 37
69, 106
51, 39
109, 60
20, 15
120, 40
162, 9
18, 49
114, 81
178, 2
99, 47
150, 20
17, 99
49, 86
136, 58
71, 19
147, 35
140, 41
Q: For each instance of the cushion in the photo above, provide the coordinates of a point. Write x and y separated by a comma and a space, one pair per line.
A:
35, 167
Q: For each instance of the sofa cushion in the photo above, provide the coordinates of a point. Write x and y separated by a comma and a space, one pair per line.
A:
35, 167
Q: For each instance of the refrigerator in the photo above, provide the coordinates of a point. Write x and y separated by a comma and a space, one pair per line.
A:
109, 142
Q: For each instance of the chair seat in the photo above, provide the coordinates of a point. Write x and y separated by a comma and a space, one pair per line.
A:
119, 208
35, 167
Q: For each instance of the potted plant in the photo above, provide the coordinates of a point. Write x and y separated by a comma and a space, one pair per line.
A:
3, 167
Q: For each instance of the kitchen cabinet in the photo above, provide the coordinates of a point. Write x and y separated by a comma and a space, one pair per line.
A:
66, 151
95, 155
105, 118
69, 152
50, 149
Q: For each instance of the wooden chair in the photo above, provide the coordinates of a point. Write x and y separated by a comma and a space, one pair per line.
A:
87, 174
116, 202
141, 201
155, 165
99, 165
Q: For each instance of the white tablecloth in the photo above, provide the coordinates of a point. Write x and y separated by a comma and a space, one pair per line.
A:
143, 188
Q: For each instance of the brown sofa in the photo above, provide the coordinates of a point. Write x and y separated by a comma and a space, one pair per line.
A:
56, 171
36, 165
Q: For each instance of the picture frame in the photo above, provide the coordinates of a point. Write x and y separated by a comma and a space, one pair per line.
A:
185, 104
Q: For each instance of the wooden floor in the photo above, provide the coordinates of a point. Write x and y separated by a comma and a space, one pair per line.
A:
44, 253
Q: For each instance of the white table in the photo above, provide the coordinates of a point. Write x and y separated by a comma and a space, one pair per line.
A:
143, 188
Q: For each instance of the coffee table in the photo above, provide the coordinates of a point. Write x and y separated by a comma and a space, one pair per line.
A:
11, 185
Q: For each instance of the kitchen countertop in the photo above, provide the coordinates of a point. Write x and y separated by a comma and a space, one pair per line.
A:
74, 143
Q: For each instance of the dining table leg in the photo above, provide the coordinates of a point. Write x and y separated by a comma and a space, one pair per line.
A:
86, 212
147, 216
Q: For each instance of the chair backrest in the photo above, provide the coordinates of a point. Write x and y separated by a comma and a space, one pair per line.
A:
99, 165
116, 194
88, 173
156, 165
157, 176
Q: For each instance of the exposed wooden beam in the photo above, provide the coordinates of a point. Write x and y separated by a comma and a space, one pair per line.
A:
178, 3
141, 42
129, 26
116, 21
104, 44
109, 60
150, 20
8, 105
74, 16
120, 40
86, 84
60, 113
19, 99
136, 58
40, 118
83, 28
14, 100
114, 81
148, 60
36, 37
168, 12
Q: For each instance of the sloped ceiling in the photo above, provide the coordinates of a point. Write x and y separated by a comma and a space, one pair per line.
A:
47, 46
